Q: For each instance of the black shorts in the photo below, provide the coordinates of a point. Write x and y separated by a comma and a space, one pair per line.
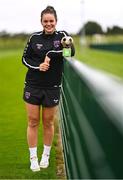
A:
47, 97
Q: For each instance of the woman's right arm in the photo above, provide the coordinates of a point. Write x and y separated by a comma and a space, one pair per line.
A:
27, 59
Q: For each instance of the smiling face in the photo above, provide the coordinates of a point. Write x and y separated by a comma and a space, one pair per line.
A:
49, 23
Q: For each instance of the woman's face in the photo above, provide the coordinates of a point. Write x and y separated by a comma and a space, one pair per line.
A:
49, 23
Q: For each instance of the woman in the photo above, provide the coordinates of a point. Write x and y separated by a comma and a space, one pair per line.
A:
43, 57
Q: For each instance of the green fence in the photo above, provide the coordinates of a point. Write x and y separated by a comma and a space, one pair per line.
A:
115, 47
91, 110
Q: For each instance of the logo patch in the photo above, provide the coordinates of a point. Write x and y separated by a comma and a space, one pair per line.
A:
55, 100
56, 43
27, 95
39, 46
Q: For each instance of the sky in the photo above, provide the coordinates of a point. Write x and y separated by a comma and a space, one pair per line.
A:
24, 15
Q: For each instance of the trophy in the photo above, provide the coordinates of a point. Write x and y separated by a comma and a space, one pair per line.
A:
66, 43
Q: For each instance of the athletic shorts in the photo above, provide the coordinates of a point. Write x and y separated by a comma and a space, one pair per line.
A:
41, 96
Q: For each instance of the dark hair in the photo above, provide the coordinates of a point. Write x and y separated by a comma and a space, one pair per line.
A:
50, 10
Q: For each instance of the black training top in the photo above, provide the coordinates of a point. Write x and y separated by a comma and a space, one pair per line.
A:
38, 46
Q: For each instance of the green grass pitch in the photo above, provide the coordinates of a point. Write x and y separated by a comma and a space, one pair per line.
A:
14, 156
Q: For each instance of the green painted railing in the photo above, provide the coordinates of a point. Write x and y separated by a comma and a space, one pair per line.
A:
91, 110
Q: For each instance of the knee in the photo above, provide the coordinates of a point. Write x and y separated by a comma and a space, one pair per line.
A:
33, 121
49, 124
48, 121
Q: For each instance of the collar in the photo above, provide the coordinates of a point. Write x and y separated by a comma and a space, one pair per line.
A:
48, 35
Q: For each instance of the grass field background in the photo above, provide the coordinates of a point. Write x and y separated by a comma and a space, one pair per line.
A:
14, 157
108, 61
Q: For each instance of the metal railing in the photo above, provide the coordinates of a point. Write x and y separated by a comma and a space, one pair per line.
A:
91, 111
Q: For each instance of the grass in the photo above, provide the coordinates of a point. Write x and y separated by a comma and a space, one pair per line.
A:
108, 61
14, 157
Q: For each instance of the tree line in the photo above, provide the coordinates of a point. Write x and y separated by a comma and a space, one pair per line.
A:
91, 28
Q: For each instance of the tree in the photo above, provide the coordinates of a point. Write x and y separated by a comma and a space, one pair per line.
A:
114, 30
4, 34
91, 28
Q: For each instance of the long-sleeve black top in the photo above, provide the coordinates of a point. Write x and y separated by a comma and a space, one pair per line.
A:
38, 46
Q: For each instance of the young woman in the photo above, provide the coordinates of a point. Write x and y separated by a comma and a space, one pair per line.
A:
44, 60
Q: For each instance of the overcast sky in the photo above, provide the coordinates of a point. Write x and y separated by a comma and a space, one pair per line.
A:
24, 15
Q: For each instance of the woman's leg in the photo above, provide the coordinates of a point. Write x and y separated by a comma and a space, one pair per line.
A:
48, 115
33, 115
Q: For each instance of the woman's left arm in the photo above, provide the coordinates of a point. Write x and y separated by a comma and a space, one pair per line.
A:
58, 54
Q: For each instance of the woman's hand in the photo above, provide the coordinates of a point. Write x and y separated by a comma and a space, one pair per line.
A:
45, 65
